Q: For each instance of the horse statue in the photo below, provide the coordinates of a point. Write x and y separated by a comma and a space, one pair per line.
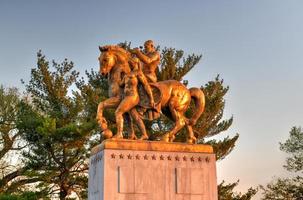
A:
119, 66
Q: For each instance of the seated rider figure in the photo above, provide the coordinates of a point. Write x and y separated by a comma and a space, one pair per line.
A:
150, 58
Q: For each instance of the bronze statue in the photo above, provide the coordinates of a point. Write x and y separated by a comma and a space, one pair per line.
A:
124, 71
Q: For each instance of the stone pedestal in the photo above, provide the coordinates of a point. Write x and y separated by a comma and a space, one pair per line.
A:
145, 170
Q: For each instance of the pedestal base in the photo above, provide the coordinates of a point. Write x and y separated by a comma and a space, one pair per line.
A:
145, 170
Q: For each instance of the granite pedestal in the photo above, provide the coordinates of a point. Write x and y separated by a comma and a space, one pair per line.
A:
146, 170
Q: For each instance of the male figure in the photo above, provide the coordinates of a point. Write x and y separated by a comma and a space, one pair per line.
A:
150, 58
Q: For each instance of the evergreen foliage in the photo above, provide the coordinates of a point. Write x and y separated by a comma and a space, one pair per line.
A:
23, 196
294, 146
57, 130
225, 192
289, 188
11, 176
8, 111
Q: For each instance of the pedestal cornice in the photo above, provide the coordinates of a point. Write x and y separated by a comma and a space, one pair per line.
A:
144, 145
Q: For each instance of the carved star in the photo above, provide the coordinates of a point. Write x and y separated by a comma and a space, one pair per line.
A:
113, 156
138, 157
161, 157
145, 157
192, 159
168, 157
129, 156
121, 156
184, 158
200, 159
177, 158
153, 157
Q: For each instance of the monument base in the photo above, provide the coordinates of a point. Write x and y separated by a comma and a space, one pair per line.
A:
150, 170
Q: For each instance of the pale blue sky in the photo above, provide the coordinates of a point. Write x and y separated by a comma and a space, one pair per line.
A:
256, 46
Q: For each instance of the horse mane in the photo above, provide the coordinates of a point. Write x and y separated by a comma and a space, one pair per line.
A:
118, 50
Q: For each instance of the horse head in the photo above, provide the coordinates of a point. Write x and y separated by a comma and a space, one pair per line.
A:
106, 61
112, 55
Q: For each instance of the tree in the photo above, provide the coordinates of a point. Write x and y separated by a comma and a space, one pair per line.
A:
11, 172
174, 65
24, 196
226, 192
57, 131
289, 188
294, 147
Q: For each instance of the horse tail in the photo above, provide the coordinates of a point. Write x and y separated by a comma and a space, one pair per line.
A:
199, 99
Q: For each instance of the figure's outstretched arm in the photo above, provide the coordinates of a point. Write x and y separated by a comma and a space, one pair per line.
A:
146, 59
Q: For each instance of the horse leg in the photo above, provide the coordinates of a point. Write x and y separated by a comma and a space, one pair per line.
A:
108, 103
191, 139
139, 122
179, 124
178, 104
179, 119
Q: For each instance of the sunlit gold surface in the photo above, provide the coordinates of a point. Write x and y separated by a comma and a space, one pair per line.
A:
124, 72
150, 59
152, 146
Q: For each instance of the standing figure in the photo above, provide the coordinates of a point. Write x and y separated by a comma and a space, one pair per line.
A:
131, 99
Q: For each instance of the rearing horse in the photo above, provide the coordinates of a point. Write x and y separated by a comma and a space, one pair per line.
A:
114, 64
175, 99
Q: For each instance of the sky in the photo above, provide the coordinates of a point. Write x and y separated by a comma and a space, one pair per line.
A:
255, 46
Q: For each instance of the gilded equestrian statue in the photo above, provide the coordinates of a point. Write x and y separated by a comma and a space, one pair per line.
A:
124, 72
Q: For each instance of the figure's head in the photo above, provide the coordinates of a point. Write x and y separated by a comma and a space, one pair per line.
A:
149, 46
106, 61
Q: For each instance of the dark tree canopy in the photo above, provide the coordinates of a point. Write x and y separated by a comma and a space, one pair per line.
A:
57, 130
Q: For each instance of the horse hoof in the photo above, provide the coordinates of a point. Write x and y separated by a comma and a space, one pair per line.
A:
107, 134
144, 137
191, 140
172, 138
165, 138
132, 137
117, 137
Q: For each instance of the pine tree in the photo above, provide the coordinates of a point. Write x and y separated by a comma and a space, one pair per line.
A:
226, 192
11, 171
289, 188
57, 131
